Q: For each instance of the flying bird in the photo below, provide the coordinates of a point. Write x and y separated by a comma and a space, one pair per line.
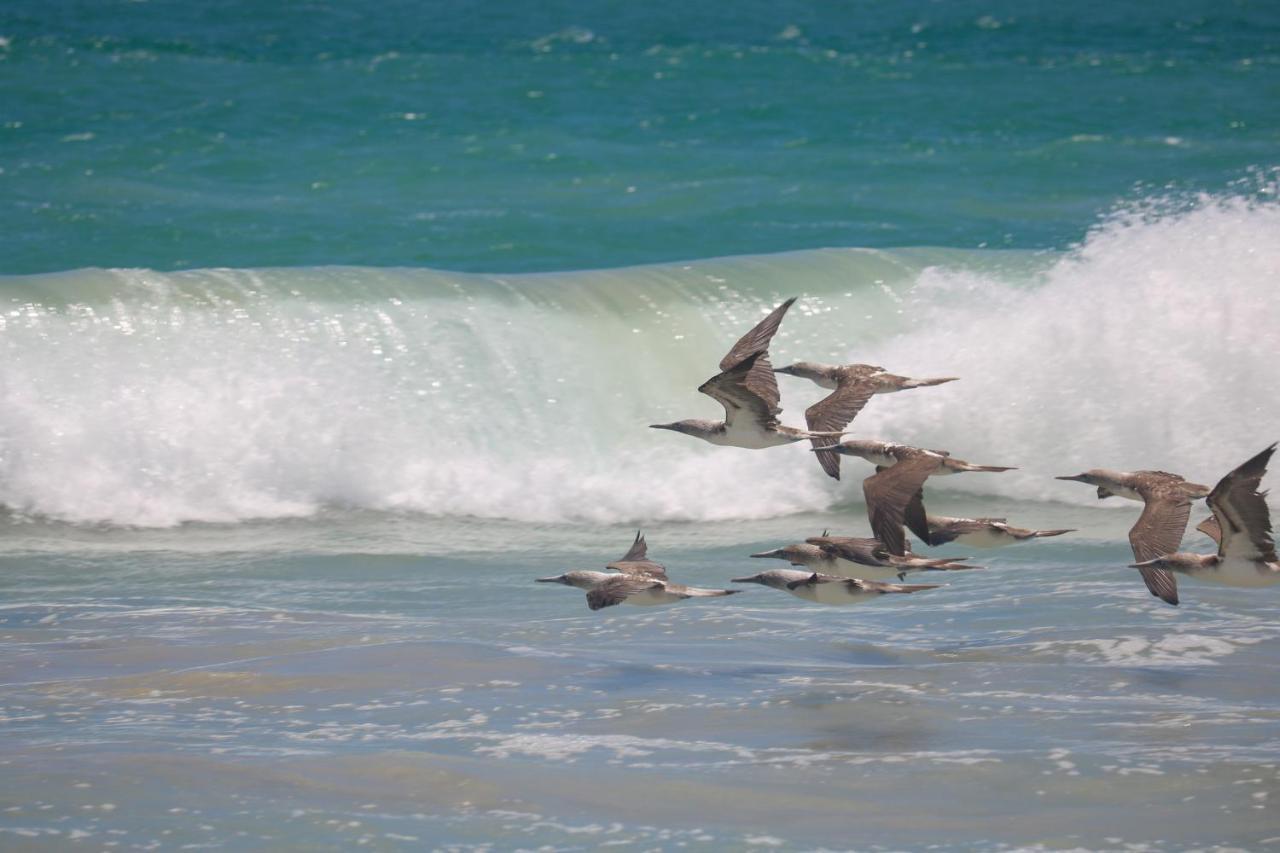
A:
829, 589
748, 390
634, 579
852, 385
1246, 550
895, 489
854, 557
976, 532
1166, 500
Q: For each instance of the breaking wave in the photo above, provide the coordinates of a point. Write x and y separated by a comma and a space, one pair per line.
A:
135, 397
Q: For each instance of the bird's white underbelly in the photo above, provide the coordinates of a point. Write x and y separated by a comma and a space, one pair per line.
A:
1242, 573
986, 538
829, 593
651, 597
749, 437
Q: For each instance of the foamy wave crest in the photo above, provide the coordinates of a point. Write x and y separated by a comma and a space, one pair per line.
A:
1154, 345
134, 397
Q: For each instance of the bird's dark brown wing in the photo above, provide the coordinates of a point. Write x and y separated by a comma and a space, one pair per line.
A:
1241, 511
917, 520
647, 568
1159, 532
639, 550
616, 590
887, 494
733, 389
868, 552
832, 414
1209, 527
636, 562
756, 340
760, 379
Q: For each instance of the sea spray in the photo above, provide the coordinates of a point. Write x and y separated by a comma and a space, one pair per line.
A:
1153, 345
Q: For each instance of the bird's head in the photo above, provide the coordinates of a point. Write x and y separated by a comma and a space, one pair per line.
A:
794, 554
580, 579
1102, 478
688, 427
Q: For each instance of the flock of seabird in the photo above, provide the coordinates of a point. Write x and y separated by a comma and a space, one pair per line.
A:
847, 570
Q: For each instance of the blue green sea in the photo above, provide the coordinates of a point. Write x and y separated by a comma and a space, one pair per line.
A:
327, 327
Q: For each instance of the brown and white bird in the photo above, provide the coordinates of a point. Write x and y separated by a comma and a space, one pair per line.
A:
979, 532
748, 390
852, 385
1246, 550
634, 579
856, 557
894, 490
1166, 500
828, 589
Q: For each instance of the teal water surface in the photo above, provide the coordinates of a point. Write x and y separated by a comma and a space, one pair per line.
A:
506, 136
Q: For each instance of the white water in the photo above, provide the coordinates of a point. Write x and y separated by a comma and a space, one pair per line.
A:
137, 398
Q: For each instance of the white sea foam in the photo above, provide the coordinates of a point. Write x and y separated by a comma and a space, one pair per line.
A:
1152, 346
133, 397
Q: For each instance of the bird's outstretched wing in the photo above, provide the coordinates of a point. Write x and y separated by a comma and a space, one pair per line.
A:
1209, 527
1241, 511
733, 389
868, 552
756, 340
832, 414
636, 561
639, 549
760, 379
888, 492
917, 520
617, 590
1158, 532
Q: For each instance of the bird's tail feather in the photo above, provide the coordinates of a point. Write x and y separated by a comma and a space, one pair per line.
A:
940, 564
925, 383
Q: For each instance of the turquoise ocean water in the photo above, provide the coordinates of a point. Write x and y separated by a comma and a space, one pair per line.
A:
326, 328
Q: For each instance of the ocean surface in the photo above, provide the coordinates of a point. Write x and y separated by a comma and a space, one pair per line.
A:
326, 328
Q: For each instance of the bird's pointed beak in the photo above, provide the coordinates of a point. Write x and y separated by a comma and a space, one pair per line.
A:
1144, 564
789, 370
1075, 478
661, 426
751, 579
834, 448
777, 552
549, 580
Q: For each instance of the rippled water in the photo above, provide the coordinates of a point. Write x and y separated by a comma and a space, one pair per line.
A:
270, 687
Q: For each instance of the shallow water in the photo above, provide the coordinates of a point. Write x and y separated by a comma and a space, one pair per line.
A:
269, 687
